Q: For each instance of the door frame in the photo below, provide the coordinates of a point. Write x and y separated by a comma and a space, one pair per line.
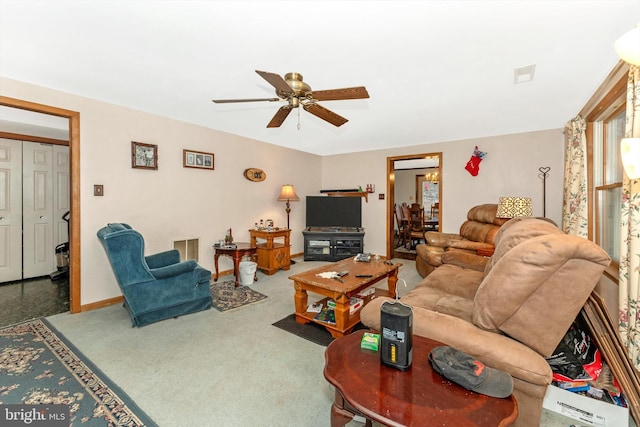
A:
74, 178
391, 192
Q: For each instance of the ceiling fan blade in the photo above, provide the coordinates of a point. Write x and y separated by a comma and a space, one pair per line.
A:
276, 81
228, 101
328, 115
281, 114
359, 92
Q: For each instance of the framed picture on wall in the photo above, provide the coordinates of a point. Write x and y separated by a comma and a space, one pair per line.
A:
144, 156
197, 159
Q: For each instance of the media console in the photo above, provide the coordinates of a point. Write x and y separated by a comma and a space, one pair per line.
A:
332, 243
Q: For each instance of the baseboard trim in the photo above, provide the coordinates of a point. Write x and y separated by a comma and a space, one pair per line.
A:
101, 304
117, 300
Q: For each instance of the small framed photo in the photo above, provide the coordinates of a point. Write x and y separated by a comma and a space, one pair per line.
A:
144, 156
197, 159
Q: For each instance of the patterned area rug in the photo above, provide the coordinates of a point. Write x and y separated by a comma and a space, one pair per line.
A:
39, 366
227, 297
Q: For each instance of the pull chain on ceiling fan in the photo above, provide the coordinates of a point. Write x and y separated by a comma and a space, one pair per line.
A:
296, 92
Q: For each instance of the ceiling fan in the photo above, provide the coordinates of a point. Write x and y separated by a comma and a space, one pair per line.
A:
296, 92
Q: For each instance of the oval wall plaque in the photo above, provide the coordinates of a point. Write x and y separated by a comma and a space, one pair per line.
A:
255, 174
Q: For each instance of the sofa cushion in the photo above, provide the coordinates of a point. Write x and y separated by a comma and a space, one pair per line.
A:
465, 260
479, 231
452, 279
485, 213
535, 290
518, 230
471, 245
449, 289
440, 240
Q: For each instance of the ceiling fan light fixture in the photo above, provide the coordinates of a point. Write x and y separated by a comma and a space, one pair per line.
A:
296, 92
628, 46
299, 87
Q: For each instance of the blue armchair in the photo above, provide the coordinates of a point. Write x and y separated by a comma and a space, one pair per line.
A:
155, 287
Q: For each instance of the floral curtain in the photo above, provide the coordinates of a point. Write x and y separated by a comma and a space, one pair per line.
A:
574, 206
629, 273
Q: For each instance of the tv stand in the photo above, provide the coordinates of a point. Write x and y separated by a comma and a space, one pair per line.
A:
334, 229
332, 243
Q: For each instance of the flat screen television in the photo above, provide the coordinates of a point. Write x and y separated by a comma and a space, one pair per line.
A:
327, 211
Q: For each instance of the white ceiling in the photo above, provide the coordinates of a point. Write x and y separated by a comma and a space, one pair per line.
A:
435, 70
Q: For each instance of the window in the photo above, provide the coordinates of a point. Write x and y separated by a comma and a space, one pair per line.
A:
604, 133
427, 188
607, 176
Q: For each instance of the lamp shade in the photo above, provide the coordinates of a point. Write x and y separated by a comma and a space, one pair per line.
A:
288, 193
628, 46
513, 207
630, 153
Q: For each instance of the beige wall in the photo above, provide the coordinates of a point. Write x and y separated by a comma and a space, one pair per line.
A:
177, 203
173, 202
509, 168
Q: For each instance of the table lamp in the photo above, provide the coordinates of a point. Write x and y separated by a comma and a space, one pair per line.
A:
513, 207
288, 194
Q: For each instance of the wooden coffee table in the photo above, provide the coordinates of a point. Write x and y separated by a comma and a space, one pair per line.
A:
418, 396
341, 293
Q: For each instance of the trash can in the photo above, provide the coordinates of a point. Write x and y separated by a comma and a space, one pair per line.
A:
247, 272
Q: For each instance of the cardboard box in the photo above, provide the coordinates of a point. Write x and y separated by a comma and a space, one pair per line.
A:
588, 411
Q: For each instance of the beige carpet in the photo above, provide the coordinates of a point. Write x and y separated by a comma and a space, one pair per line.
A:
226, 369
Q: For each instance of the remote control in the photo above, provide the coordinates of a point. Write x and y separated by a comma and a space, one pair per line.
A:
343, 273
364, 275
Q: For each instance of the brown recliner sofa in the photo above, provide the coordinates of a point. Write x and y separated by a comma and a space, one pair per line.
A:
514, 313
476, 237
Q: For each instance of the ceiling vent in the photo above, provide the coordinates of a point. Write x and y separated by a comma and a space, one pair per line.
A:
524, 74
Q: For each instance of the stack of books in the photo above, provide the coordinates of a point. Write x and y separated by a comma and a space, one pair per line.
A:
327, 314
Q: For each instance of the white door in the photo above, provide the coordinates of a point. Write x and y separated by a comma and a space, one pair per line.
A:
10, 210
61, 193
37, 209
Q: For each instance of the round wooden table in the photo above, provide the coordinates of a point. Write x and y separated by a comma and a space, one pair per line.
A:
237, 251
418, 396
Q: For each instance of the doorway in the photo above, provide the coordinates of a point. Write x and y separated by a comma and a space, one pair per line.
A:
427, 165
74, 185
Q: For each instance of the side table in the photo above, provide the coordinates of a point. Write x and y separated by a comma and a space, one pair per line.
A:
241, 249
418, 396
273, 253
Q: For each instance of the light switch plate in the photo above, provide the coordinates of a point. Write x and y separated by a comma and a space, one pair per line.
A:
98, 190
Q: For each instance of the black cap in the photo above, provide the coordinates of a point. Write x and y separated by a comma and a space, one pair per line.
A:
470, 373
